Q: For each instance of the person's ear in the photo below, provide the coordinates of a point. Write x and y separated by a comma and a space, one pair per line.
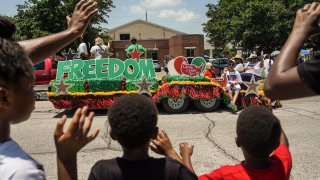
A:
237, 142
4, 101
155, 133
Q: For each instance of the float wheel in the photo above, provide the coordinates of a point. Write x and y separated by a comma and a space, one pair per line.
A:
207, 105
175, 105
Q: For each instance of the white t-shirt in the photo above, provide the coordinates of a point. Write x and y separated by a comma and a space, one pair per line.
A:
17, 164
96, 51
239, 67
254, 68
233, 77
82, 49
268, 64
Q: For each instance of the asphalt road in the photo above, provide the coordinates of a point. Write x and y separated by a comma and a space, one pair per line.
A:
211, 133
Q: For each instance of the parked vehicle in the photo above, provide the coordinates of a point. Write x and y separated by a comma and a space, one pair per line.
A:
157, 66
45, 71
219, 64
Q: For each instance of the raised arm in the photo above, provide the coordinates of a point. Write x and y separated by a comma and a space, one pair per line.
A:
261, 62
69, 143
283, 81
164, 146
186, 152
43, 47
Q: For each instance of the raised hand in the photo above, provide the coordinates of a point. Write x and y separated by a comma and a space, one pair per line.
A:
307, 19
163, 144
81, 16
76, 137
186, 150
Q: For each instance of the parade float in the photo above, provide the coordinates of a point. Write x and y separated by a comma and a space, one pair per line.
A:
99, 83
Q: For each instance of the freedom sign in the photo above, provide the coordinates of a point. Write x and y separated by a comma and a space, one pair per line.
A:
106, 68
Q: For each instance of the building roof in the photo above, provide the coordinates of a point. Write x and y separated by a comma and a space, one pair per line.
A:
148, 23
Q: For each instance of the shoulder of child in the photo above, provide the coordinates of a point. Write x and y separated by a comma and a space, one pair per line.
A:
283, 154
223, 172
17, 164
104, 168
176, 170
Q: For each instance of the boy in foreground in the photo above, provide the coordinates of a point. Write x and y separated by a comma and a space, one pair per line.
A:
259, 133
133, 120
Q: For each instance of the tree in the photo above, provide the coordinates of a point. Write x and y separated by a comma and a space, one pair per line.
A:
39, 18
252, 24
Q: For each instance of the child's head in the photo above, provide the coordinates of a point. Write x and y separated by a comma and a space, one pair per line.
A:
231, 65
208, 66
258, 131
133, 120
16, 83
7, 28
98, 41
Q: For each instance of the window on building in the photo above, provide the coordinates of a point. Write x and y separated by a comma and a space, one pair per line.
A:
152, 54
124, 36
189, 52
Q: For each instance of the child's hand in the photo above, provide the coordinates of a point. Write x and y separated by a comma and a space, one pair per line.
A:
76, 137
307, 19
186, 151
163, 144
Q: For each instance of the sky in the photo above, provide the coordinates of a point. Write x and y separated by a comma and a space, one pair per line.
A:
182, 15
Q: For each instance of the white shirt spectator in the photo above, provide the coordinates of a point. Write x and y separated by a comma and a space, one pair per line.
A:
82, 49
233, 77
98, 50
17, 164
254, 68
268, 63
239, 67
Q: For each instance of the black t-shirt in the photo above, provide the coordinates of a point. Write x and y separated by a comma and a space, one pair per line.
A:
149, 169
309, 73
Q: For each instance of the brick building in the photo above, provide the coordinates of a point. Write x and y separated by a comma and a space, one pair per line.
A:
160, 41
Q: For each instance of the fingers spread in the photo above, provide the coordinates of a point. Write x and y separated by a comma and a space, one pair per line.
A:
92, 13
88, 123
155, 142
86, 5
73, 127
79, 5
93, 136
60, 125
90, 8
313, 6
306, 7
84, 112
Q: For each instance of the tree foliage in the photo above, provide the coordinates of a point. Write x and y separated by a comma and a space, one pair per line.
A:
39, 18
252, 24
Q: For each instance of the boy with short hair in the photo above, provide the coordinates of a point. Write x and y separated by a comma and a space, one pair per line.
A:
133, 122
259, 133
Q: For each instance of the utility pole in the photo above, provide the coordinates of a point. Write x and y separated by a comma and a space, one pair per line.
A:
146, 15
